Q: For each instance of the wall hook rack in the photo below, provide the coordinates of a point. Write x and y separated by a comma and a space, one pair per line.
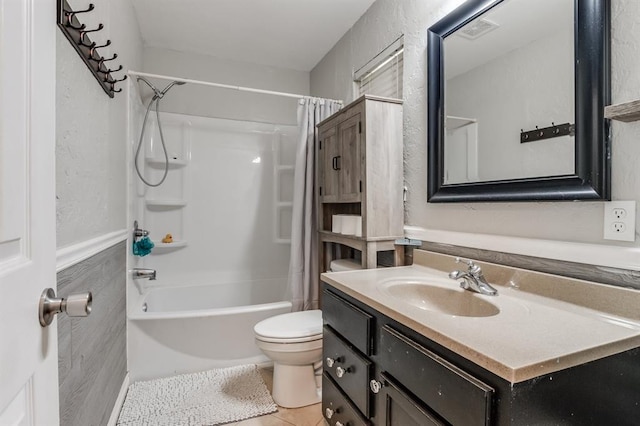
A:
78, 35
553, 131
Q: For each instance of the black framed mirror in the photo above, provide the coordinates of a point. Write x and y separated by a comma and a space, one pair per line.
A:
586, 141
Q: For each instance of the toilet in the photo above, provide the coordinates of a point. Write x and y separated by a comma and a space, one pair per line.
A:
293, 341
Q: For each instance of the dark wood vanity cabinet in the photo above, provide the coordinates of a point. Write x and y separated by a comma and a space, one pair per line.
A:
379, 372
377, 375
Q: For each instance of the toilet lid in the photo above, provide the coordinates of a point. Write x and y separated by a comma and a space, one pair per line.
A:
293, 325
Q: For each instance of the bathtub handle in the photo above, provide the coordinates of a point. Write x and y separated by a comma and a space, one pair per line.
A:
75, 305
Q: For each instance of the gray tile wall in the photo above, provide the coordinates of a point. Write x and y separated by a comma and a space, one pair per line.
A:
92, 361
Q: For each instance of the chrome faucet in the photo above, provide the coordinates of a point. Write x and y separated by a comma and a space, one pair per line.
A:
144, 273
473, 279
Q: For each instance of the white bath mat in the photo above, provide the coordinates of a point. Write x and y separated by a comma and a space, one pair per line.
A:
212, 397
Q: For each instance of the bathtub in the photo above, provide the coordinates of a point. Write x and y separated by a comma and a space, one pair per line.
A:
184, 329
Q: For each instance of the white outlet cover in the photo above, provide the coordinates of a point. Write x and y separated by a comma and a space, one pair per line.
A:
611, 231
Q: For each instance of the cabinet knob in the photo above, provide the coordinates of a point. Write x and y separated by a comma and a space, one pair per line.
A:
338, 423
328, 413
375, 386
342, 371
329, 361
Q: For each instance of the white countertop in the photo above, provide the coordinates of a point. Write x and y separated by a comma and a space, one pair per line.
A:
532, 335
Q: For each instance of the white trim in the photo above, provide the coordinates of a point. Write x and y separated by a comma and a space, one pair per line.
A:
117, 406
70, 255
590, 254
227, 86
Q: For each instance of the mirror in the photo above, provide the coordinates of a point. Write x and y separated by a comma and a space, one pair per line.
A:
516, 94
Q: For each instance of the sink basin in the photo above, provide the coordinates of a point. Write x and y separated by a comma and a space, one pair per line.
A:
450, 301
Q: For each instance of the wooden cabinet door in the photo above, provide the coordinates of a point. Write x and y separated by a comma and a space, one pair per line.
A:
399, 409
329, 172
350, 159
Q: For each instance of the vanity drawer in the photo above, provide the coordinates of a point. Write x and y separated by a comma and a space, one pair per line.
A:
336, 407
348, 369
351, 322
439, 384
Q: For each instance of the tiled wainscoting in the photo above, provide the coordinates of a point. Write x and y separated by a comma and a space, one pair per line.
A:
92, 351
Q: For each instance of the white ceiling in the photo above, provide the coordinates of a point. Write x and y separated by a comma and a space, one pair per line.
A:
293, 34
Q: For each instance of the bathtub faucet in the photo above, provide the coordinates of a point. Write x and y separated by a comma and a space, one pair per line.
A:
144, 273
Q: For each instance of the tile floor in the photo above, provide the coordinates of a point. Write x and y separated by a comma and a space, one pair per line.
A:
305, 416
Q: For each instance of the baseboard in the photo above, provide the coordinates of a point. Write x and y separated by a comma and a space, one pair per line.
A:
119, 401
591, 254
76, 253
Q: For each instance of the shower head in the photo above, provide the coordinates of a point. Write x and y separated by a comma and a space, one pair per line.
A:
170, 85
159, 94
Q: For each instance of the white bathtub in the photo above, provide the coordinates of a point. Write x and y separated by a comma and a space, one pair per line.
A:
195, 328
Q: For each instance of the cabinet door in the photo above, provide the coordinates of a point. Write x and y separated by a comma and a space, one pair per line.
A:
399, 409
329, 168
350, 159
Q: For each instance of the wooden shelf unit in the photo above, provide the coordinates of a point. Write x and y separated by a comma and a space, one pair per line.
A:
359, 170
627, 112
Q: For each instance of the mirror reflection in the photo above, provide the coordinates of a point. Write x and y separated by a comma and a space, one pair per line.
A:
509, 94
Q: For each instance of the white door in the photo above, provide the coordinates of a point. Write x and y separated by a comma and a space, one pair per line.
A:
28, 352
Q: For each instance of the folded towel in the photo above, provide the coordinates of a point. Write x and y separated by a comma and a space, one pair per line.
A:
142, 247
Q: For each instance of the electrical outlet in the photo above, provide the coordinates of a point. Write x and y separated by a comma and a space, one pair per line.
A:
620, 220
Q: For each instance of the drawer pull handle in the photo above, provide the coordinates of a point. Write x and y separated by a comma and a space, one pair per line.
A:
342, 371
330, 361
375, 386
328, 413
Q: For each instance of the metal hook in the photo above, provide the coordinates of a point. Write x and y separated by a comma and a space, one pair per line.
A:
83, 33
114, 81
103, 60
93, 47
71, 13
109, 71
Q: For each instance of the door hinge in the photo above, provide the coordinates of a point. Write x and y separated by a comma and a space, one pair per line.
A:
360, 186
320, 188
320, 145
359, 126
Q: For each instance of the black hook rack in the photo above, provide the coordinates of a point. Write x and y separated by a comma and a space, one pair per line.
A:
553, 131
77, 34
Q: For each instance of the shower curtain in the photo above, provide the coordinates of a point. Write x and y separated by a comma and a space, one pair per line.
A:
303, 266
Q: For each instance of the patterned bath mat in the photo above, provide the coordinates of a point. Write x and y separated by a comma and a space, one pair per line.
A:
211, 397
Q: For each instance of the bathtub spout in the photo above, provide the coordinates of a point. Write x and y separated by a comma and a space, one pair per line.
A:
144, 273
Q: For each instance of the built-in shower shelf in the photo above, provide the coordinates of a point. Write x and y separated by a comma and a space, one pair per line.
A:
174, 163
165, 202
627, 112
160, 246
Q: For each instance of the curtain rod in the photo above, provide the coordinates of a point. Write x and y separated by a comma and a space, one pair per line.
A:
228, 86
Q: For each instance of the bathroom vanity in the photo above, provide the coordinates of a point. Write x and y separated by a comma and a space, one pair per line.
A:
406, 346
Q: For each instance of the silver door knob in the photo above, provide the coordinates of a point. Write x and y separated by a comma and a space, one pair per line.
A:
75, 305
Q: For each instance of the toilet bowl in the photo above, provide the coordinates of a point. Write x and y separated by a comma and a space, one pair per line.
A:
293, 341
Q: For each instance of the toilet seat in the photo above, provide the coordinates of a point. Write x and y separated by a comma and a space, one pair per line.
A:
293, 327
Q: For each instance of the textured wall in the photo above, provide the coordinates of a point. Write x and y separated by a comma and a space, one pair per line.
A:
92, 358
564, 221
225, 103
91, 129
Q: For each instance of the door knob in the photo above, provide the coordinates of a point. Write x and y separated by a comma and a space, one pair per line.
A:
75, 305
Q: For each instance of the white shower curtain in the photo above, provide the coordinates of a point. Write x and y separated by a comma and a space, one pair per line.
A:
303, 266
